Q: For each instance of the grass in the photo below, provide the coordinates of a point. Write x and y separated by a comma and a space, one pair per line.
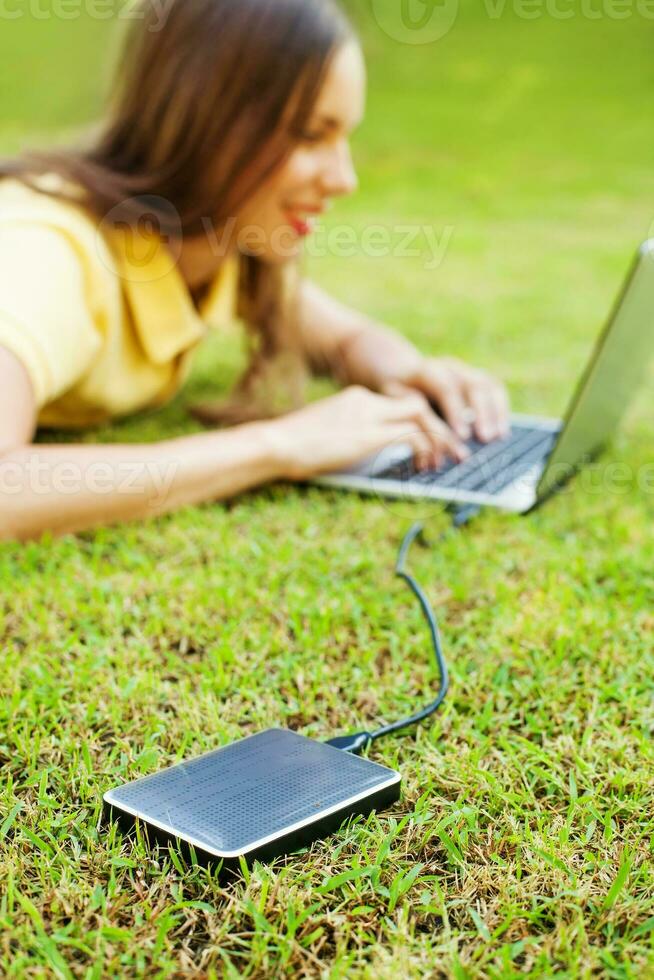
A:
523, 841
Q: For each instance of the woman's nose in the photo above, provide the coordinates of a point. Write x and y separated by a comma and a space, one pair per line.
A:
339, 176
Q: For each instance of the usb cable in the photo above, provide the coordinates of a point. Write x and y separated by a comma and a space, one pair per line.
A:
358, 741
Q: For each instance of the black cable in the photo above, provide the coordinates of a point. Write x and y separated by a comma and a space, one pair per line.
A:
358, 741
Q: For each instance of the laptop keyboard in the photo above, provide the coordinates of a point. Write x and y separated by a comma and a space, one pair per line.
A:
490, 468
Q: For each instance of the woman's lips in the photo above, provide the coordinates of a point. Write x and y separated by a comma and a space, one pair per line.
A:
302, 226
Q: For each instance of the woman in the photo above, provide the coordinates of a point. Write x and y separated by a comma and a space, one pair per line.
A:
229, 134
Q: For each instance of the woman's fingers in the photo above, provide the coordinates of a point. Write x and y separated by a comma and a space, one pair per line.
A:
502, 409
483, 400
449, 394
483, 414
442, 441
424, 455
442, 383
490, 406
469, 399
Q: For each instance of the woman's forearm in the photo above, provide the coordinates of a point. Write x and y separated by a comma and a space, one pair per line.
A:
66, 488
350, 346
375, 355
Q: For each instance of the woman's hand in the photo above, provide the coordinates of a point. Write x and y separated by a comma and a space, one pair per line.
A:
342, 430
472, 402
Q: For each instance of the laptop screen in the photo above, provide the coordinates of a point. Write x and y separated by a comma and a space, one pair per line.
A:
617, 367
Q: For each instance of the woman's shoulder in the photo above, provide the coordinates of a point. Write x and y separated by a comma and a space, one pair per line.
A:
50, 202
41, 194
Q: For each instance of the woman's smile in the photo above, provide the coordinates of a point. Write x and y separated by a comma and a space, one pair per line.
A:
303, 218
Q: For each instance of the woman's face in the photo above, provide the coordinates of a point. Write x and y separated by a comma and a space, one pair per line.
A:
282, 213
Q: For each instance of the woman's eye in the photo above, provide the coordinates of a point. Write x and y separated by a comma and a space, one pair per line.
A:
311, 137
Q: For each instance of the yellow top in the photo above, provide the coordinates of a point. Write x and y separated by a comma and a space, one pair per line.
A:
101, 319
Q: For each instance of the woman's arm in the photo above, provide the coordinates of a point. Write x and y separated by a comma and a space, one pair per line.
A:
351, 347
73, 487
355, 349
64, 488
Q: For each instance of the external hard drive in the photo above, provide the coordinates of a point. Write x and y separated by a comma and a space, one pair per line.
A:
258, 798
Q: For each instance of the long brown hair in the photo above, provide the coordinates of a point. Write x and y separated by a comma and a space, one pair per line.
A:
211, 97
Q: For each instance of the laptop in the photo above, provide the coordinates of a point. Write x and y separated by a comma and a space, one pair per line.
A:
540, 454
